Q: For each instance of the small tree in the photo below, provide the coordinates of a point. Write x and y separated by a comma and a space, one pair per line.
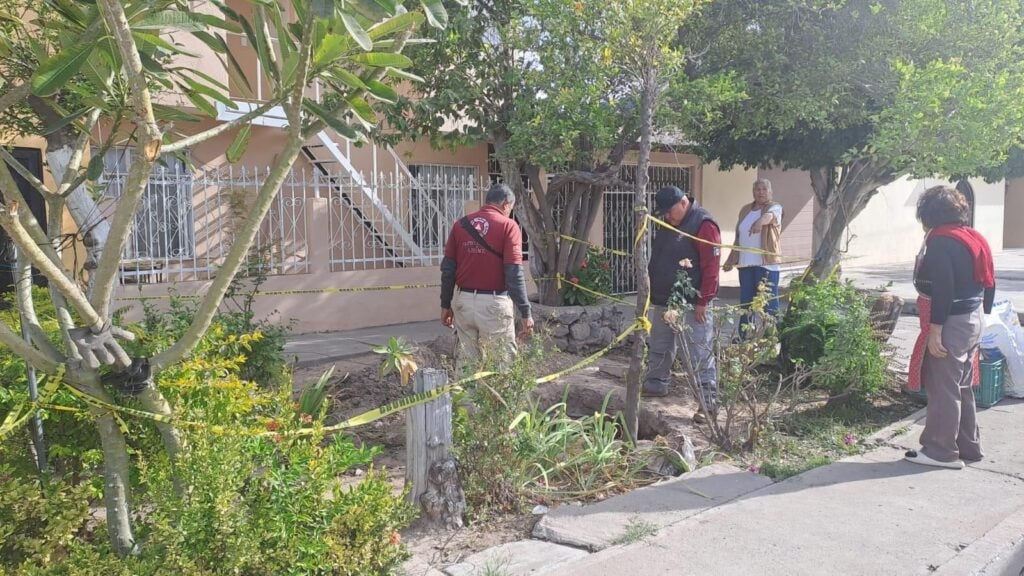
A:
113, 56
537, 79
643, 31
861, 93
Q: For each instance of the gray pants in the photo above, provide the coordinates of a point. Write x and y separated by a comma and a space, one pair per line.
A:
664, 345
951, 429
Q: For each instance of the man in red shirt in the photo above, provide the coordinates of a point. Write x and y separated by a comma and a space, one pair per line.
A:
700, 259
483, 259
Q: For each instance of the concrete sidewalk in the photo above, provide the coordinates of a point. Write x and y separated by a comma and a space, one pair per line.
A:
873, 514
870, 514
1009, 278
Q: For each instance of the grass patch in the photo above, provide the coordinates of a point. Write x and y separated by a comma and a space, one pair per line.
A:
636, 531
821, 435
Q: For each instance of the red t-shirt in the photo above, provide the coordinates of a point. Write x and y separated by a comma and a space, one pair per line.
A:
477, 268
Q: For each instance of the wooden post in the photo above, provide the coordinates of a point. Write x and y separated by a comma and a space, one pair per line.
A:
431, 472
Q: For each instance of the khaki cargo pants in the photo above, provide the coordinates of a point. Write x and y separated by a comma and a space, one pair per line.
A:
485, 327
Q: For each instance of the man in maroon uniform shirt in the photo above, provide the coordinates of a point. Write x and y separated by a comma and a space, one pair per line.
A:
483, 260
700, 260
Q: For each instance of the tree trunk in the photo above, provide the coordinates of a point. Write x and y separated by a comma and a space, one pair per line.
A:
80, 204
838, 202
640, 256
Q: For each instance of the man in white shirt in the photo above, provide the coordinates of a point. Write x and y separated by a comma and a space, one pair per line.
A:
759, 228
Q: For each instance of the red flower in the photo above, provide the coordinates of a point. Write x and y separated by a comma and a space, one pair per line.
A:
396, 538
272, 425
575, 280
583, 264
605, 265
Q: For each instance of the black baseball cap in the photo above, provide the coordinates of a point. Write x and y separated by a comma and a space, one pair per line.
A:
666, 198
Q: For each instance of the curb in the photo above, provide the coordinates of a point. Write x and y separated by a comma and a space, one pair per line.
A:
1000, 552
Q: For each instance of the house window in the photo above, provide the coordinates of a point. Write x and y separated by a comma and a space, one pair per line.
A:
439, 194
164, 226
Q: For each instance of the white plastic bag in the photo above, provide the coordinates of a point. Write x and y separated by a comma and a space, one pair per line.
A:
1003, 331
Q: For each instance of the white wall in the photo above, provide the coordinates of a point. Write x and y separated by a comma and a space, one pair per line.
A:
887, 230
1013, 214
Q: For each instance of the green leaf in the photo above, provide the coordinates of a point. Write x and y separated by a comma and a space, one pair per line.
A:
169, 19
436, 14
173, 114
347, 78
332, 48
398, 23
237, 149
356, 31
362, 109
56, 71
331, 119
200, 102
403, 75
143, 40
382, 91
95, 169
383, 59
64, 121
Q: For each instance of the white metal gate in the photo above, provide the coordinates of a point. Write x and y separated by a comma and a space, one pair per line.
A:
619, 228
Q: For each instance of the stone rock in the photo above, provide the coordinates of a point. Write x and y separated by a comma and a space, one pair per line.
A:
605, 335
560, 331
885, 312
561, 343
580, 331
569, 314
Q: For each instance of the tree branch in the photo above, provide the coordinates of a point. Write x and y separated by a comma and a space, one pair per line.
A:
24, 172
38, 359
201, 137
55, 274
233, 260
12, 194
147, 148
26, 307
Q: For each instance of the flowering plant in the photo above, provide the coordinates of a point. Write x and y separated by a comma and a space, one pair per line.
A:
594, 274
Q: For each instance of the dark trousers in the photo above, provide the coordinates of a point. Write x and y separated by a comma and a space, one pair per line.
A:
750, 278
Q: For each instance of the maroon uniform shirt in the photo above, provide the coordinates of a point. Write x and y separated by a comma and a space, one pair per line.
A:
478, 269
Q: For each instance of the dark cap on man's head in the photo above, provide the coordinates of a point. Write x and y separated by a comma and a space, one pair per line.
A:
666, 198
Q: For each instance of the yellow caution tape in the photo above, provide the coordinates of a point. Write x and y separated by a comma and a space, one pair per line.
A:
559, 277
589, 359
25, 410
597, 247
668, 226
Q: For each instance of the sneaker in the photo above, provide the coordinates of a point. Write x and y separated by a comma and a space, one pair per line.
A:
920, 458
652, 392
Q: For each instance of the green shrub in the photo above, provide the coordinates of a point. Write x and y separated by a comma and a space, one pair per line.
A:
595, 274
828, 327
246, 495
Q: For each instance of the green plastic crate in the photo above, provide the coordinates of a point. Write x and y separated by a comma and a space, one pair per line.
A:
993, 380
993, 376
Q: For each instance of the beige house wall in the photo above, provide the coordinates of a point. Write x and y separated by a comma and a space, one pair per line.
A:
1013, 215
887, 230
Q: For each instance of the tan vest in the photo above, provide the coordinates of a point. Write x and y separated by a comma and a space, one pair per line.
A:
771, 238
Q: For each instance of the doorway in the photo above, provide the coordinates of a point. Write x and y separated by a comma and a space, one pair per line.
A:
32, 160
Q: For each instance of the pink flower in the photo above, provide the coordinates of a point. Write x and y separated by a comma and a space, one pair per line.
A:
605, 265
272, 425
575, 280
755, 469
686, 263
583, 264
849, 439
